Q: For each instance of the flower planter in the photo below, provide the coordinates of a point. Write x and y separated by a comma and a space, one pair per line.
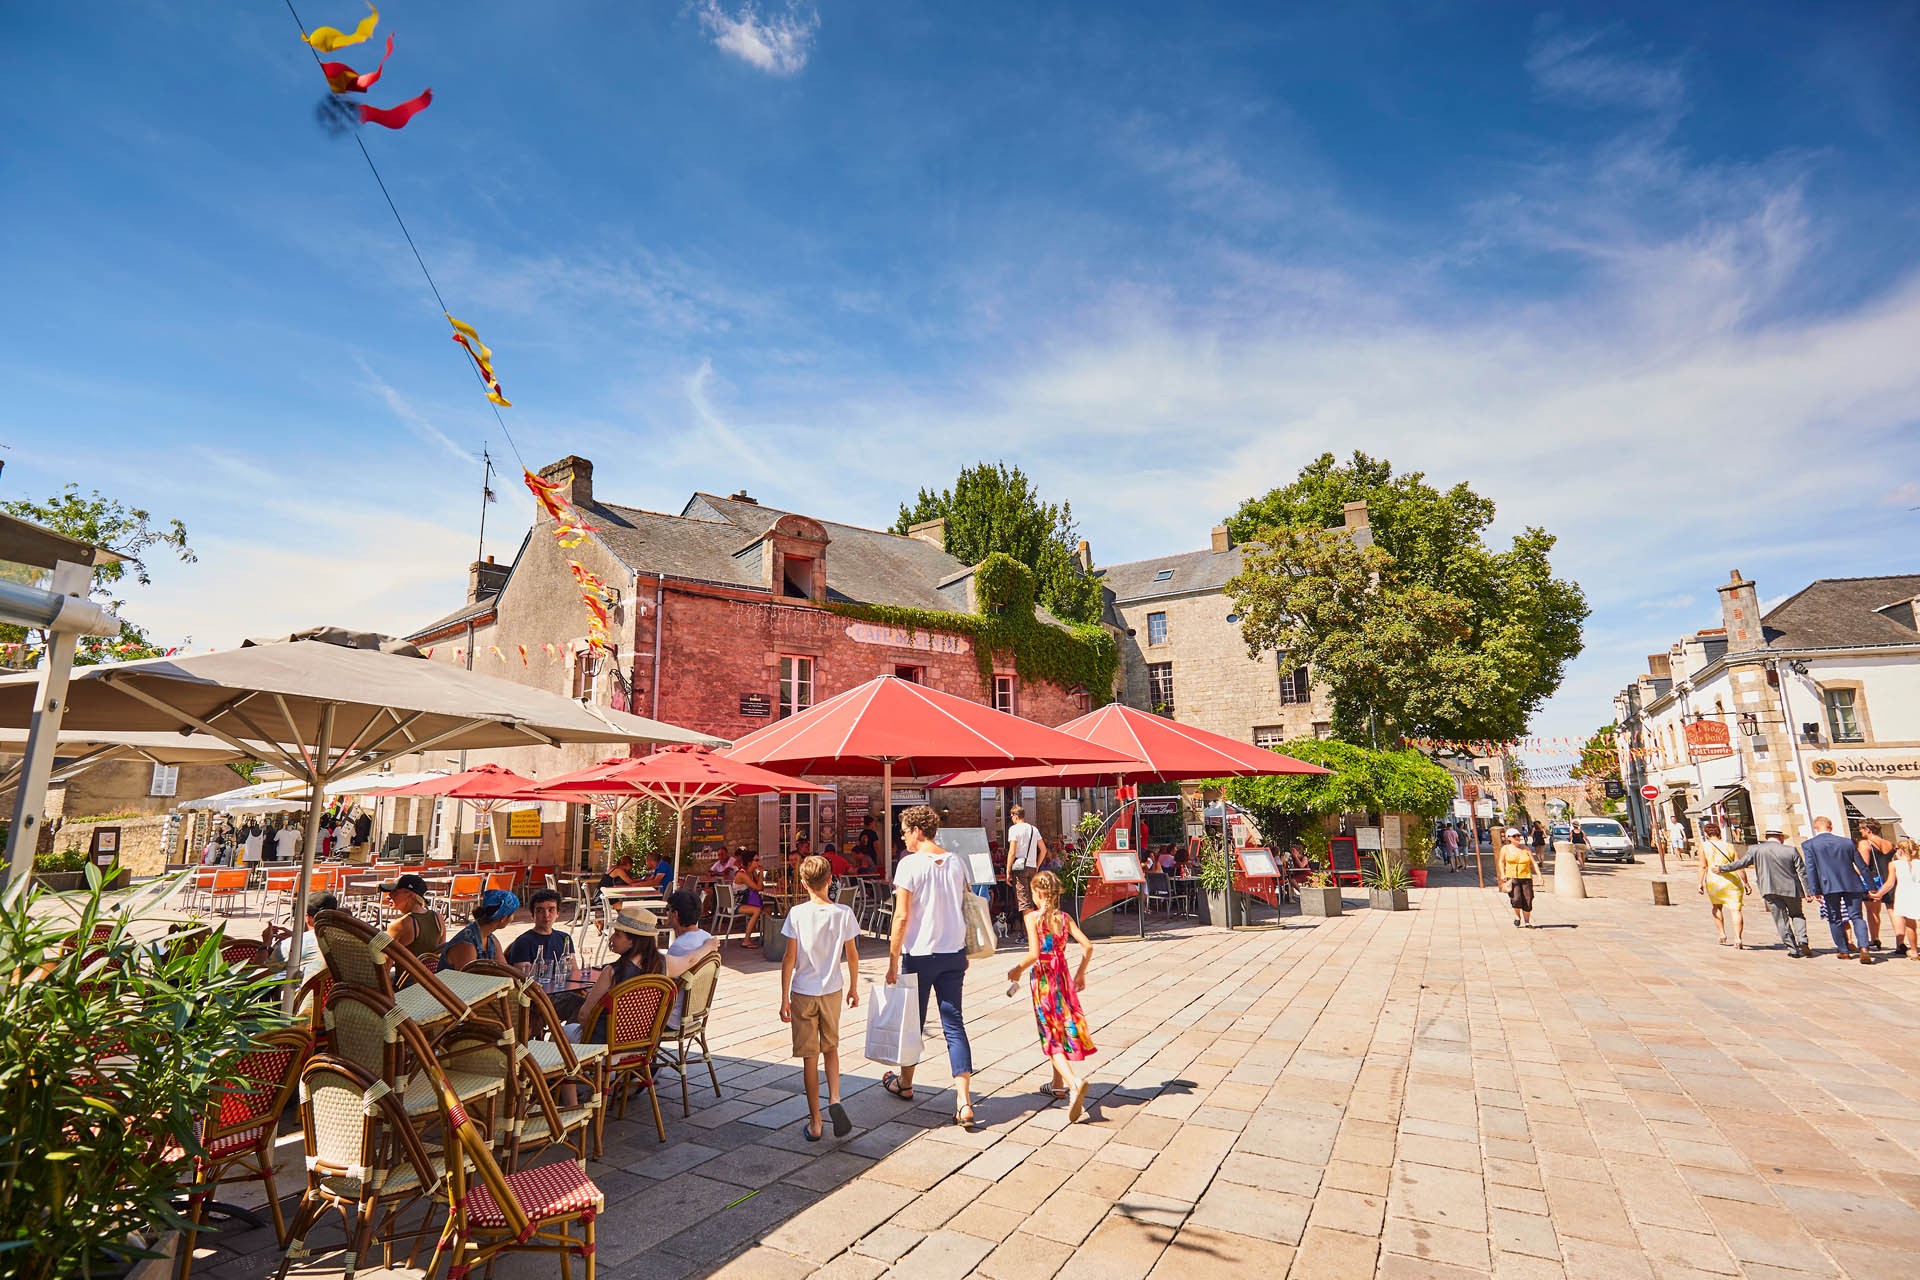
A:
773, 943
1320, 902
68, 881
1223, 908
1387, 899
1419, 875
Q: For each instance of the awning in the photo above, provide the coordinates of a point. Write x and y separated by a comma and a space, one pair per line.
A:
1869, 805
1713, 797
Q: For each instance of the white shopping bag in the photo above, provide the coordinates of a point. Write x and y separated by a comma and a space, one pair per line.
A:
893, 1021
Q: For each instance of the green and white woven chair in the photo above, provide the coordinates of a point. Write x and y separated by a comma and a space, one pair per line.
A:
373, 1034
357, 954
683, 1045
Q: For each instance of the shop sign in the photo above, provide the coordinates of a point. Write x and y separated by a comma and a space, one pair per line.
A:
756, 706
1708, 740
907, 638
1470, 791
523, 824
1159, 806
1844, 767
707, 821
1616, 790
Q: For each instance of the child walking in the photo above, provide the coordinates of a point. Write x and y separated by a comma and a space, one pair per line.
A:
821, 933
1056, 998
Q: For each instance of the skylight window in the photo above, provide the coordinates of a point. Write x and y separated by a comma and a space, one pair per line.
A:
1164, 575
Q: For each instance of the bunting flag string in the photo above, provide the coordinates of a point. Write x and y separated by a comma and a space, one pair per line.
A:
396, 118
469, 339
342, 78
328, 39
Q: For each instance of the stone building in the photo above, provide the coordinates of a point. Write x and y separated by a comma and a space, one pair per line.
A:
1811, 709
1182, 654
727, 615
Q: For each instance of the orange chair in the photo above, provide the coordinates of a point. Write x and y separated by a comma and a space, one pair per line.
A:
463, 894
229, 889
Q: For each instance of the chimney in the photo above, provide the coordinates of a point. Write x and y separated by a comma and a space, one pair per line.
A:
575, 478
741, 496
932, 531
1222, 540
484, 579
1084, 554
1740, 615
1354, 515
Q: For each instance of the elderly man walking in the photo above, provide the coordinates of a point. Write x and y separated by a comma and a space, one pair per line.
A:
1833, 876
1781, 871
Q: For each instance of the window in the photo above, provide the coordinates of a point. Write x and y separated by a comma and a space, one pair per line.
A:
1003, 694
166, 780
1322, 729
586, 676
1160, 688
1156, 628
798, 571
796, 685
1165, 575
1843, 716
1295, 688
1269, 737
796, 821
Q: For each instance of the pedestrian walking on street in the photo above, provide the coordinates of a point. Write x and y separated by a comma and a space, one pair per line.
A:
1903, 883
1516, 870
824, 933
1833, 876
1577, 836
1725, 889
1026, 854
1780, 870
1876, 855
1056, 990
930, 941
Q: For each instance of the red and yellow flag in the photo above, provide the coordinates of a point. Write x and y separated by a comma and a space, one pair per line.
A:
469, 337
327, 39
342, 78
397, 117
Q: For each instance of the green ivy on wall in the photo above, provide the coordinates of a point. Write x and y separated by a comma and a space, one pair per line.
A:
1066, 654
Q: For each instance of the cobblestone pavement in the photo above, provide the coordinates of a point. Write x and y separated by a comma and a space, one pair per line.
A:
1431, 1093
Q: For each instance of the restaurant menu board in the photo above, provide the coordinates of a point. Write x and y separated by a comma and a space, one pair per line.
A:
1121, 868
1258, 862
970, 843
523, 824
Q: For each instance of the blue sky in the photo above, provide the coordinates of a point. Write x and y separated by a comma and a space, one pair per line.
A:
1642, 274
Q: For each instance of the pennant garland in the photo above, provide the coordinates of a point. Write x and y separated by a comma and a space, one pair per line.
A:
594, 594
523, 655
469, 338
327, 39
342, 78
397, 117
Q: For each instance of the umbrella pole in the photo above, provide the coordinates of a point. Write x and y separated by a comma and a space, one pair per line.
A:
308, 843
679, 825
886, 810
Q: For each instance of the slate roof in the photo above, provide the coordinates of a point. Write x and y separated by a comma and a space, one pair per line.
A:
478, 608
1192, 571
1842, 613
714, 540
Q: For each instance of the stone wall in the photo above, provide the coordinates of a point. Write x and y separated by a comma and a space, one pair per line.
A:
141, 841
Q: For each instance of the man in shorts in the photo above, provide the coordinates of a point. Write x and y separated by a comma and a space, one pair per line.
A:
1026, 854
820, 932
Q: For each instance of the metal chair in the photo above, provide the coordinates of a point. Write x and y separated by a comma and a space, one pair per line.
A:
1160, 891
463, 893
726, 910
686, 1043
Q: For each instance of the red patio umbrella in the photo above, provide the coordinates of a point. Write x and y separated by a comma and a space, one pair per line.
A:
678, 778
889, 725
1162, 750
486, 787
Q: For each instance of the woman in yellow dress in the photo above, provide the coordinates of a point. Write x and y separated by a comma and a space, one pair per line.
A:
1725, 891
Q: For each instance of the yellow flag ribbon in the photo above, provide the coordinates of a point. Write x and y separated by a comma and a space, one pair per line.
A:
327, 39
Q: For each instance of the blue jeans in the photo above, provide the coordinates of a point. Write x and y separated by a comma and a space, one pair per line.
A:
942, 976
1842, 909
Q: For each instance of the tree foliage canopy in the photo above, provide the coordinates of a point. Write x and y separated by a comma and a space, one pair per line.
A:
1362, 781
992, 507
1424, 631
105, 522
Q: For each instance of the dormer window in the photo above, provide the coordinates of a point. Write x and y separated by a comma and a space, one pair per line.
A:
799, 577
1165, 575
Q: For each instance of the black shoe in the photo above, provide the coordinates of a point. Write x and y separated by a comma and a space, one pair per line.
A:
1900, 949
1874, 945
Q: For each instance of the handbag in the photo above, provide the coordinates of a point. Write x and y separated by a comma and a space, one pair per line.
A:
981, 943
893, 1021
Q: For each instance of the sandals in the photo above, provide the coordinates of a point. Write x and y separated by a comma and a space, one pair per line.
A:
842, 1122
1079, 1105
963, 1115
891, 1083
1058, 1092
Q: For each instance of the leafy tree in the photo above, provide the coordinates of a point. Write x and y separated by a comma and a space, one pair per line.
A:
105, 522
1362, 781
992, 507
1421, 630
1598, 765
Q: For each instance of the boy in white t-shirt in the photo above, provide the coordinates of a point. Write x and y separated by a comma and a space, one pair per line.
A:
820, 933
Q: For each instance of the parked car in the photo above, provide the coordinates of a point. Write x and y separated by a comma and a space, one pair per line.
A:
1607, 840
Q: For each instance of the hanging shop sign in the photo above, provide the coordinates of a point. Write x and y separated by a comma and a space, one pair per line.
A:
1159, 806
1708, 740
907, 638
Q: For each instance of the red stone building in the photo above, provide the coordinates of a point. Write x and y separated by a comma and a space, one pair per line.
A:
731, 614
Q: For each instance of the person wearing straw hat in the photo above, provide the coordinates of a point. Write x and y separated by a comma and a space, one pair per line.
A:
1780, 873
634, 940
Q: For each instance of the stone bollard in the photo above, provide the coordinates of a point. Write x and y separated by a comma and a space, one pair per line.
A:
1660, 898
1567, 880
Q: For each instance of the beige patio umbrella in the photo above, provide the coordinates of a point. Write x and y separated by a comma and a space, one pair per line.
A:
332, 704
79, 752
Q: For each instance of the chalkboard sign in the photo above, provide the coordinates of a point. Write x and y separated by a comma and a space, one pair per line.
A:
756, 706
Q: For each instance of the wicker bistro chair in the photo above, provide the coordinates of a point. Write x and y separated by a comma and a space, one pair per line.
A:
497, 1212
683, 1045
636, 1015
359, 955
561, 1061
538, 1118
363, 1156
376, 1037
237, 1134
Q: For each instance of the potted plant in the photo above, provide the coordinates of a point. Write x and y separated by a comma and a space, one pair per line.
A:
1320, 896
1075, 870
1219, 904
1419, 855
85, 1191
1386, 881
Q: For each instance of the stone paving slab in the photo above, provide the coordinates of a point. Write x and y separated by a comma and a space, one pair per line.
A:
1431, 1093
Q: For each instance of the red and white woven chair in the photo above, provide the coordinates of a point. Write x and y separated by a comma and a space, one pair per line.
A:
636, 1016
237, 1134
364, 1160
495, 1212
557, 1064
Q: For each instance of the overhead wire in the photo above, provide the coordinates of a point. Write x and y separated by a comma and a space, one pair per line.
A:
408, 236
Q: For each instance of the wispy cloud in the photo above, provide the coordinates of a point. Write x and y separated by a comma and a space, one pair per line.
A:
1578, 67
1904, 495
416, 420
1680, 601
778, 44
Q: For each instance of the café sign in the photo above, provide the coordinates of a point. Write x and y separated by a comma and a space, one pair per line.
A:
1841, 768
1708, 740
907, 638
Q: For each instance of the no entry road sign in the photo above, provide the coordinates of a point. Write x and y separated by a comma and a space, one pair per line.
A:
1649, 792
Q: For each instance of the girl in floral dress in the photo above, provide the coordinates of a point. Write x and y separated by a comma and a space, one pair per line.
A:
1056, 998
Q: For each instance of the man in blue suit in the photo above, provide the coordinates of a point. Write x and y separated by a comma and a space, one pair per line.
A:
1833, 876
